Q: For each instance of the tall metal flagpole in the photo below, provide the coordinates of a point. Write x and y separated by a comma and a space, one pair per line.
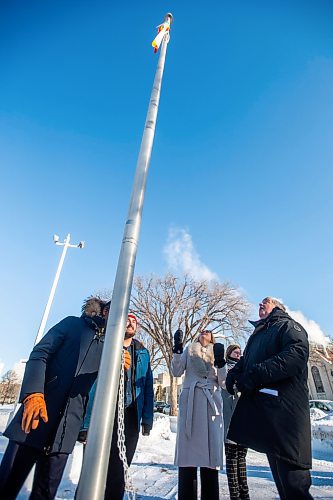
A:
96, 457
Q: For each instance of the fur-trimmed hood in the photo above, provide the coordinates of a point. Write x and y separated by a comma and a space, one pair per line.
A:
202, 358
93, 306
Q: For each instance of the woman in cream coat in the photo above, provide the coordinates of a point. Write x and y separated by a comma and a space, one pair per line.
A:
200, 420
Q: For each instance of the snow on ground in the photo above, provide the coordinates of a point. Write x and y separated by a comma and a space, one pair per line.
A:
155, 477
322, 435
4, 414
315, 414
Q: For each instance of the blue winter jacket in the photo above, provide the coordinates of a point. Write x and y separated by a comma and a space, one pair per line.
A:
143, 384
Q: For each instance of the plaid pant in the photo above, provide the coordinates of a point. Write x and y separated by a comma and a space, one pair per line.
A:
236, 471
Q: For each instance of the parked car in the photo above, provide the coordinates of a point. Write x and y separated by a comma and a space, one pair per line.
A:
321, 404
167, 409
159, 405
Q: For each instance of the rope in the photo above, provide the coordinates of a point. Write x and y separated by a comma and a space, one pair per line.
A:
121, 433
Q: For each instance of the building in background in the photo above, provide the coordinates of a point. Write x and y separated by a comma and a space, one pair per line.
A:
162, 387
320, 380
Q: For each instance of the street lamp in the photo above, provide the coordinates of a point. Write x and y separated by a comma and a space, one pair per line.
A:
66, 245
41, 329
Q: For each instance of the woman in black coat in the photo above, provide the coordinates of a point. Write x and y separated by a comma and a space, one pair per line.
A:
61, 369
272, 415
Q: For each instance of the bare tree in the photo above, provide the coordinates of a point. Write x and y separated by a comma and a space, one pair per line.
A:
9, 387
163, 305
156, 357
155, 354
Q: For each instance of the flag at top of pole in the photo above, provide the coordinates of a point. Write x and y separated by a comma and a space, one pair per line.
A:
162, 29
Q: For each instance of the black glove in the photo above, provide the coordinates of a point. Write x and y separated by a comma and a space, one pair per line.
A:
82, 437
146, 428
230, 382
246, 382
178, 342
219, 360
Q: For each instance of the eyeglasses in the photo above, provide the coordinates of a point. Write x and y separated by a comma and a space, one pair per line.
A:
206, 332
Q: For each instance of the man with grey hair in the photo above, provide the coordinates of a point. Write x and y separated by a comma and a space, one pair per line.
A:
272, 415
267, 301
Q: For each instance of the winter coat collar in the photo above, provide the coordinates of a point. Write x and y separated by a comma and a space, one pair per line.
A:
96, 323
202, 358
231, 363
138, 346
276, 315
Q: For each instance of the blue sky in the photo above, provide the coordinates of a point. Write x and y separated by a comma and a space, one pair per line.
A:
240, 183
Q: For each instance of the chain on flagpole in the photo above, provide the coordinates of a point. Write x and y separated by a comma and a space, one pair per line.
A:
121, 433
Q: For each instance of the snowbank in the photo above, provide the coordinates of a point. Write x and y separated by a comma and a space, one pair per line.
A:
160, 445
315, 414
322, 434
5, 411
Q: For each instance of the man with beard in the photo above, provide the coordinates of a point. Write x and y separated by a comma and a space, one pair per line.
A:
272, 415
138, 404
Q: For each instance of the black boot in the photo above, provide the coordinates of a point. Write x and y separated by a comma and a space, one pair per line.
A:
209, 483
187, 483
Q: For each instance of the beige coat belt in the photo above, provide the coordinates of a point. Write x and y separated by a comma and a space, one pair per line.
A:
207, 388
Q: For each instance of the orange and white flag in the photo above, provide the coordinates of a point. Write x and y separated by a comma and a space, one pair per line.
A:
162, 29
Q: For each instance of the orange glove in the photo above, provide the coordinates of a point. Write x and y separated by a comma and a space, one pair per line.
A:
34, 409
127, 359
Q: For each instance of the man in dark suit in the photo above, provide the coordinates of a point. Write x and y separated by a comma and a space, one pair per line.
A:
59, 374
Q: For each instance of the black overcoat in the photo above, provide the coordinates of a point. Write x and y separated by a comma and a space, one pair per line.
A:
275, 358
63, 366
